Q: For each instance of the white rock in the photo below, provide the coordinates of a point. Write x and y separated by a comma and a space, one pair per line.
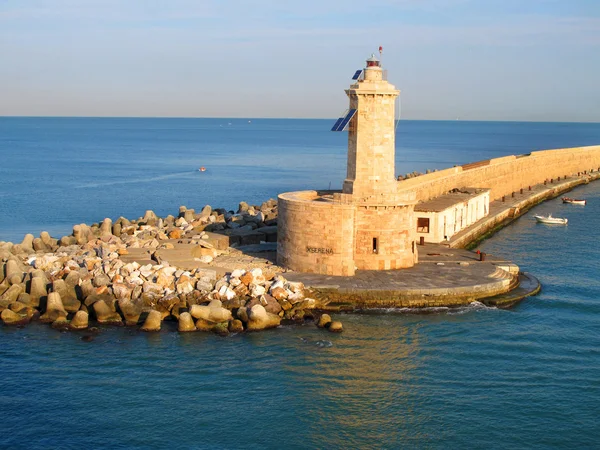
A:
134, 280
167, 271
148, 286
256, 290
295, 297
295, 286
147, 271
206, 259
223, 289
228, 294
276, 284
237, 273
204, 286
131, 267
185, 288
234, 282
121, 291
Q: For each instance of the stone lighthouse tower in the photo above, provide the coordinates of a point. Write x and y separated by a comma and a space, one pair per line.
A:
384, 227
369, 225
371, 137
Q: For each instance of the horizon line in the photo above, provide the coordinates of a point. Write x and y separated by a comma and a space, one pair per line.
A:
3, 116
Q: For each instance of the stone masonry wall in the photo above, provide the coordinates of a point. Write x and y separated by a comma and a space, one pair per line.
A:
393, 228
506, 175
315, 236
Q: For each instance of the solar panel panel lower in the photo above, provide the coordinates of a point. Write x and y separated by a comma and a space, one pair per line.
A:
342, 125
337, 124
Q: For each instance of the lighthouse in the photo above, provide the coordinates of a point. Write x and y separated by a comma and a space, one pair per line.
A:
369, 224
371, 135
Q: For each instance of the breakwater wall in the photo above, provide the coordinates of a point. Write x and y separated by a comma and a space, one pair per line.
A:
514, 209
508, 174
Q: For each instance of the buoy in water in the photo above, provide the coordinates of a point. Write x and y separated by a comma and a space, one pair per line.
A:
202, 169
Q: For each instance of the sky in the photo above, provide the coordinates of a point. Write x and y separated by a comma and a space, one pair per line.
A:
522, 60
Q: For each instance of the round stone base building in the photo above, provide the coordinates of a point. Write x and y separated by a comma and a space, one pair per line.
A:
369, 225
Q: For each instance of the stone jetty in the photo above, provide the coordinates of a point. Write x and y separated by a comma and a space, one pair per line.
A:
144, 272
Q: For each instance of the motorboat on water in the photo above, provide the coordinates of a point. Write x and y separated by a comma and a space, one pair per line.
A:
573, 201
551, 220
202, 169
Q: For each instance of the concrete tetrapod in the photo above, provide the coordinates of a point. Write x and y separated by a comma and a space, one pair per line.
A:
105, 315
12, 318
260, 319
324, 321
131, 311
67, 295
47, 239
12, 293
236, 326
214, 314
106, 227
54, 308
27, 244
186, 322
11, 268
204, 325
153, 321
37, 290
336, 327
80, 321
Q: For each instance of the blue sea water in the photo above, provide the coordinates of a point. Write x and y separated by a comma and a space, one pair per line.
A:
473, 377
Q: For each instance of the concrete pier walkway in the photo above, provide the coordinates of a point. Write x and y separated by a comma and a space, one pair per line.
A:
443, 277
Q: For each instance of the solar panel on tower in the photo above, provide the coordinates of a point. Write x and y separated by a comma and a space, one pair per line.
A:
345, 120
337, 124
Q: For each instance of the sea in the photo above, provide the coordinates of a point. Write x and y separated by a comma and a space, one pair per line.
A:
471, 377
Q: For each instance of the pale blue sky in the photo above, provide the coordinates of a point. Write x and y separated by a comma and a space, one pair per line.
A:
467, 59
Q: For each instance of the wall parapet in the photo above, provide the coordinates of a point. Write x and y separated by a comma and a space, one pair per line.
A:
506, 174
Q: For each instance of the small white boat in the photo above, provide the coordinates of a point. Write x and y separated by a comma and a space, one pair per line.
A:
573, 201
552, 220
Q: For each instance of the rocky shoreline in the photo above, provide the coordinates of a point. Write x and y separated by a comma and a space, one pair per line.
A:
120, 274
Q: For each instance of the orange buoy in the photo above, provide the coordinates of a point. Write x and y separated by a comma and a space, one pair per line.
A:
202, 169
